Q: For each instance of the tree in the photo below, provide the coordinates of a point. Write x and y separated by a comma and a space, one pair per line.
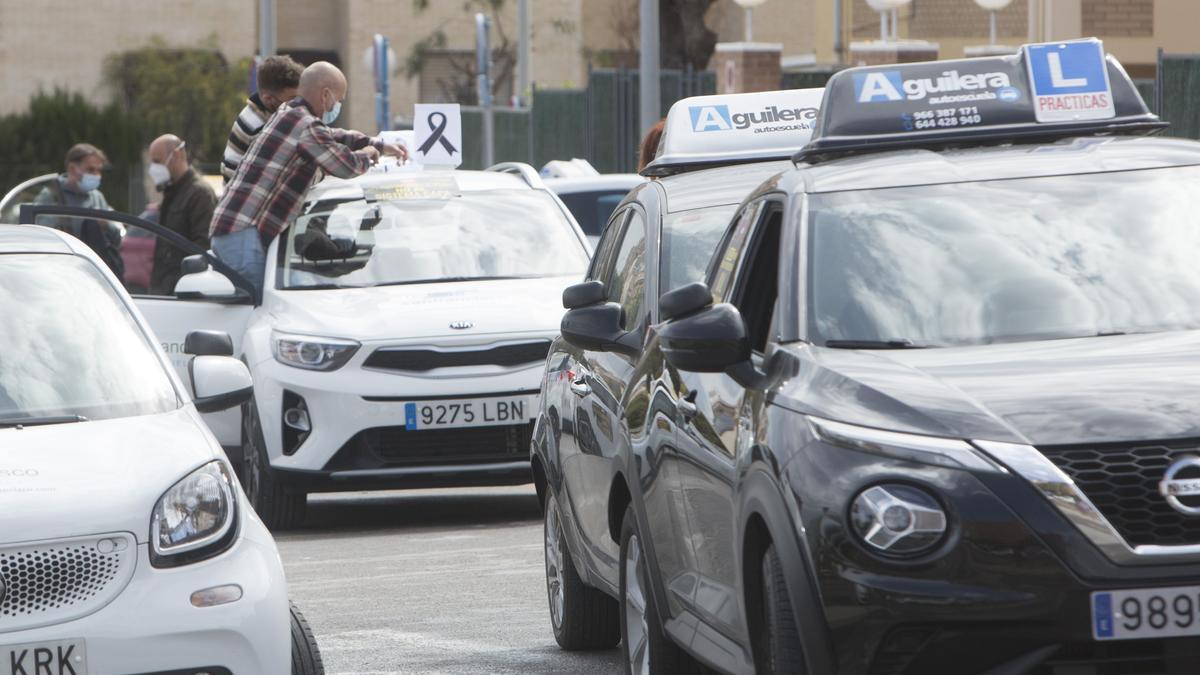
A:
460, 85
193, 93
684, 38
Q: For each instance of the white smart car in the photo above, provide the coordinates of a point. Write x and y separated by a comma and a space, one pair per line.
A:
126, 544
401, 337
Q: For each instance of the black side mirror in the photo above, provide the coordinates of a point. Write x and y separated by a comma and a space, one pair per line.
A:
594, 327
208, 343
584, 294
710, 341
194, 264
684, 300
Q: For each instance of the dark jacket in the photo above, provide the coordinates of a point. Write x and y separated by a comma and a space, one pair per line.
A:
187, 208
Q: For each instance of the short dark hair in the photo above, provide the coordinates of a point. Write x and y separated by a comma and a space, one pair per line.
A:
81, 151
277, 73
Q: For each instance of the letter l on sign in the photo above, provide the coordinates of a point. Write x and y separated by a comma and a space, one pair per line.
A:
1056, 73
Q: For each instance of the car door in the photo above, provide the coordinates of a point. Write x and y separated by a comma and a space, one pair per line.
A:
170, 317
714, 426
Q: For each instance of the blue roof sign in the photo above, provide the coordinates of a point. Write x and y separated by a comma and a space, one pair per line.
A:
722, 129
1045, 90
1069, 81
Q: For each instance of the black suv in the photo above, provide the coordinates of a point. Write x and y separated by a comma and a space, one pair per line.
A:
934, 409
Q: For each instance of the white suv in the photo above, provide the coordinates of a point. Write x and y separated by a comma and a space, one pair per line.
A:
126, 545
400, 339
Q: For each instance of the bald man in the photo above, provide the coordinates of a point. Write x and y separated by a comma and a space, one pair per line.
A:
187, 207
280, 165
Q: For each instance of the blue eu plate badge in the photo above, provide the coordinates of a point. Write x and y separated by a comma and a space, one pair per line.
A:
1069, 81
410, 416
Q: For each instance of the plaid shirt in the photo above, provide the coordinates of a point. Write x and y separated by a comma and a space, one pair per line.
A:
279, 167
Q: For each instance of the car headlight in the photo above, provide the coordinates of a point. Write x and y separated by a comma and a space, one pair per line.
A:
194, 519
945, 452
312, 353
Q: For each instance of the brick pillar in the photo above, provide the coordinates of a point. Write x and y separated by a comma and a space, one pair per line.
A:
748, 66
878, 53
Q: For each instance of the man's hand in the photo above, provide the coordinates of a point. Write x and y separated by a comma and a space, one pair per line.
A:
396, 150
372, 153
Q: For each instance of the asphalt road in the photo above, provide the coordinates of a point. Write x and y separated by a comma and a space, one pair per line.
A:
437, 581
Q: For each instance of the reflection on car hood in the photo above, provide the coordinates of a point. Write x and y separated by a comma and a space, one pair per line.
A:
424, 310
96, 477
1087, 390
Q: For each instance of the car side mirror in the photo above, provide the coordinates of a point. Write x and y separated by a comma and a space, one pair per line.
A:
684, 300
219, 383
201, 282
208, 343
584, 294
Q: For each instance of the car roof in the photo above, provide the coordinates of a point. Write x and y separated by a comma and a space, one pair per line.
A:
608, 181
931, 167
718, 186
32, 239
467, 181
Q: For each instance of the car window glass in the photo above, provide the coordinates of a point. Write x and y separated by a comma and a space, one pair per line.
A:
484, 234
71, 347
688, 241
627, 282
731, 250
612, 234
592, 209
757, 279
151, 263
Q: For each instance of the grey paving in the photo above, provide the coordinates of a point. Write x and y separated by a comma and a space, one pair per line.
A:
438, 581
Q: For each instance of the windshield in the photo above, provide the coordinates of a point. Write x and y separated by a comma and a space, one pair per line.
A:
70, 347
1007, 260
477, 235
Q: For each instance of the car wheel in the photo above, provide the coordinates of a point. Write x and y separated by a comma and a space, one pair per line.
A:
279, 506
778, 649
645, 646
582, 617
306, 657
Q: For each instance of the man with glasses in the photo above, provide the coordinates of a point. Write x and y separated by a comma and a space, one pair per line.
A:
187, 208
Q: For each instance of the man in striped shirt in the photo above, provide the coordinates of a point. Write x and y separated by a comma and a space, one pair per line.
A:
280, 165
278, 77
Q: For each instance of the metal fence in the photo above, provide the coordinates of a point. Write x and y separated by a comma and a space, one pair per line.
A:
599, 123
1177, 93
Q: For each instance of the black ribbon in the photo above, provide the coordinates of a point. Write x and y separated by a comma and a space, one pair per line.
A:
437, 135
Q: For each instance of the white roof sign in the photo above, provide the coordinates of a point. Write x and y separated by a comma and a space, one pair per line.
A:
733, 127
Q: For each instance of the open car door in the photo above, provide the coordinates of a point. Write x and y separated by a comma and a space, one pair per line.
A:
224, 306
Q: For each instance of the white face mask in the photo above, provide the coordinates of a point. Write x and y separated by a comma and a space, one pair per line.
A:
159, 173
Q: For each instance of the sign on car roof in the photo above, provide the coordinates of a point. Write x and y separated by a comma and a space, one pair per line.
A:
1046, 90
709, 130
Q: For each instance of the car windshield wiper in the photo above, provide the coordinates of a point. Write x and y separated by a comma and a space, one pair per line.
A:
41, 421
872, 344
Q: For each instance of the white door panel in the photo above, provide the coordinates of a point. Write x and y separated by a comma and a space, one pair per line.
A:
173, 319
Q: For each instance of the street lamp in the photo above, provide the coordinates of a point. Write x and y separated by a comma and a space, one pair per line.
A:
884, 7
749, 6
993, 6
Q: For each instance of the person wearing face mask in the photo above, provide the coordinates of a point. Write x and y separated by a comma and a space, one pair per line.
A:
187, 207
80, 186
281, 164
278, 78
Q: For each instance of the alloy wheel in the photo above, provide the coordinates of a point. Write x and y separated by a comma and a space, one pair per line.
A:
554, 563
636, 623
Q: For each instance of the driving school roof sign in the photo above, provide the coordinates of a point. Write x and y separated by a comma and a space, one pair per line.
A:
1069, 81
737, 127
1048, 90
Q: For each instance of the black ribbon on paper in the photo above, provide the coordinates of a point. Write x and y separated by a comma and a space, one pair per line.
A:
437, 135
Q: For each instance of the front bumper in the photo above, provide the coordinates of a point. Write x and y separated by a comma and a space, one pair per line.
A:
1008, 590
357, 416
152, 627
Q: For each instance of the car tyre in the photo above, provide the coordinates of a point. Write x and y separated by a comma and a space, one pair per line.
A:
582, 617
306, 657
644, 645
279, 506
778, 649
